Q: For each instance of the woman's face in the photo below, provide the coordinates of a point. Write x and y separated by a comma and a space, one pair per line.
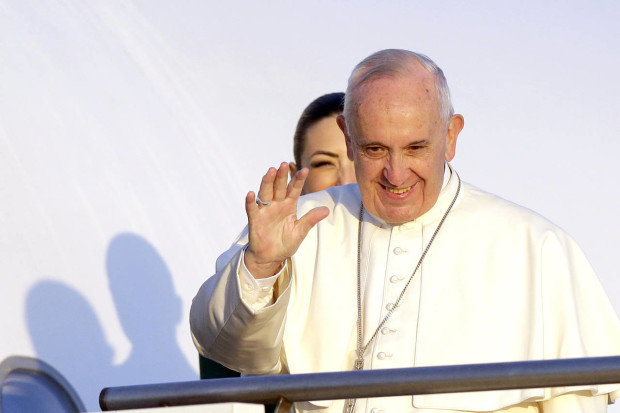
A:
325, 155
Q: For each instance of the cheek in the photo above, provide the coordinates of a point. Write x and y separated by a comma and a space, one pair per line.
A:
319, 180
366, 168
428, 167
433, 177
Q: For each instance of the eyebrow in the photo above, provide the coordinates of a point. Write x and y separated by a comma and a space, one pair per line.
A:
418, 142
332, 154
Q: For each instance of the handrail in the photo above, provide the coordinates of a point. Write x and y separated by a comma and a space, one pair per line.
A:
367, 383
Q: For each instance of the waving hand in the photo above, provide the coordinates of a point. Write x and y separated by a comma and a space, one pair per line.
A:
275, 233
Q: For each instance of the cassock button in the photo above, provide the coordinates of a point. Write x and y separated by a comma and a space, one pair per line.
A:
389, 307
395, 279
399, 250
376, 410
381, 356
386, 330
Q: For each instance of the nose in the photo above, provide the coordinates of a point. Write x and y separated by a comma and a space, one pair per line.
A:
346, 173
395, 170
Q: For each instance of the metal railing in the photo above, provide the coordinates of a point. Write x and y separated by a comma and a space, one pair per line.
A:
367, 383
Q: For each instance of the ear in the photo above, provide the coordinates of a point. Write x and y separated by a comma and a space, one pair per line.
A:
457, 122
342, 124
292, 169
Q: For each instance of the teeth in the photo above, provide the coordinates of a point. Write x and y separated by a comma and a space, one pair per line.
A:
398, 191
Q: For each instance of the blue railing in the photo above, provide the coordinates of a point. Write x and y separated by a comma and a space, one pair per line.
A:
367, 383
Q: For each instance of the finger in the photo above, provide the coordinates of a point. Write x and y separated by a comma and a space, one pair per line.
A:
280, 182
250, 204
265, 193
297, 183
312, 217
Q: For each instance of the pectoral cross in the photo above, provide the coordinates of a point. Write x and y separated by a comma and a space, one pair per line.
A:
349, 405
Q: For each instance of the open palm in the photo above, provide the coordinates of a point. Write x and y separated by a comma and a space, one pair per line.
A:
275, 233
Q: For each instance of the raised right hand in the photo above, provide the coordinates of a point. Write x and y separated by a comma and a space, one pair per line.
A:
275, 233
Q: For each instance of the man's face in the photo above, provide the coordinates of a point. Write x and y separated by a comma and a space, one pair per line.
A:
399, 146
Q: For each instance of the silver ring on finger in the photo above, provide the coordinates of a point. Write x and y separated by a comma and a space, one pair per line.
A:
259, 202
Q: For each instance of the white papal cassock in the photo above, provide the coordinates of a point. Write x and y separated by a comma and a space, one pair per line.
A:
499, 283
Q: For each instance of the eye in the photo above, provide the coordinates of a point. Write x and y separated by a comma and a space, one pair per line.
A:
413, 149
374, 151
321, 164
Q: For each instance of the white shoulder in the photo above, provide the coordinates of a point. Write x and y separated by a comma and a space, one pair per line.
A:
500, 210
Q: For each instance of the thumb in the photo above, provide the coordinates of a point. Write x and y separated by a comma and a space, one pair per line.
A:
312, 217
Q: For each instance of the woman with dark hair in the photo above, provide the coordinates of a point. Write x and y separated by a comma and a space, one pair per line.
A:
319, 145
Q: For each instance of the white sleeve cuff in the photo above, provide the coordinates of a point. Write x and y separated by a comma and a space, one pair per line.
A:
256, 292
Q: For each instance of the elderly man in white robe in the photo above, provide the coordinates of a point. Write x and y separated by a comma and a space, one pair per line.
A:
439, 271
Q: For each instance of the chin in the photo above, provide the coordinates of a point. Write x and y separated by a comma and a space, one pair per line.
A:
401, 214
398, 219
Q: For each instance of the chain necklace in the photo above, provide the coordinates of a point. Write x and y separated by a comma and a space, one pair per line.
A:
349, 406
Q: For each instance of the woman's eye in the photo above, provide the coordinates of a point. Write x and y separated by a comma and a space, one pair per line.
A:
320, 164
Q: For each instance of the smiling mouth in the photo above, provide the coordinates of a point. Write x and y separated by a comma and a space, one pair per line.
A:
397, 191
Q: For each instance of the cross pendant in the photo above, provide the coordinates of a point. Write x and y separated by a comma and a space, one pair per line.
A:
349, 406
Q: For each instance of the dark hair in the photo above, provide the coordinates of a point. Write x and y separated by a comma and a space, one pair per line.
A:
322, 107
